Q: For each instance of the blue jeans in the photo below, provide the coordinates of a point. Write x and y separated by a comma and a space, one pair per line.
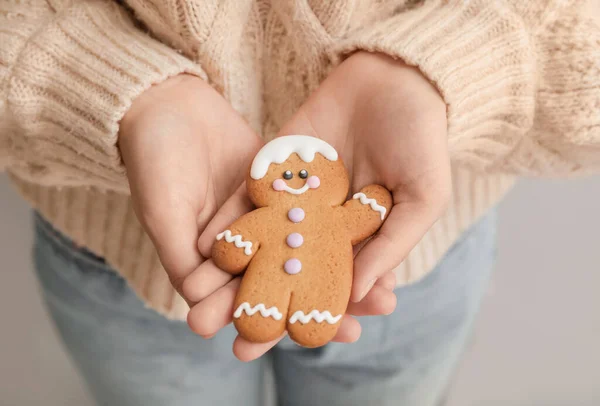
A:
130, 355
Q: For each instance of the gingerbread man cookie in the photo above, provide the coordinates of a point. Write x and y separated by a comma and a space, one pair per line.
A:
296, 247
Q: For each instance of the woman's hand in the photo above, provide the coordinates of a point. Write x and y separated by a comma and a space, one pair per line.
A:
186, 151
389, 125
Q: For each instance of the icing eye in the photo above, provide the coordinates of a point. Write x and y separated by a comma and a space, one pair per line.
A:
288, 175
303, 174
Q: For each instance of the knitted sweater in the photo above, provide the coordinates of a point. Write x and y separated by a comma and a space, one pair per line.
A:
521, 80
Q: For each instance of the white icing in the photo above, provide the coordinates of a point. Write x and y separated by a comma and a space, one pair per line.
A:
296, 191
237, 240
250, 311
315, 315
280, 149
371, 202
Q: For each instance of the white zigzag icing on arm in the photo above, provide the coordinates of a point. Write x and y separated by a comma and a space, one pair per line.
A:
315, 315
371, 202
237, 239
250, 311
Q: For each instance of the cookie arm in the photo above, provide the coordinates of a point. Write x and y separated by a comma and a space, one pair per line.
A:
235, 246
366, 211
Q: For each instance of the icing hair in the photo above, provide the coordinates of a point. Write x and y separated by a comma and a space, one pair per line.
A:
280, 149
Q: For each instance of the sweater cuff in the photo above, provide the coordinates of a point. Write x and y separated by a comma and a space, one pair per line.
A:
70, 85
479, 56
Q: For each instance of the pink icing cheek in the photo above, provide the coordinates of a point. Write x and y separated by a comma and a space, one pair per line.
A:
279, 185
313, 182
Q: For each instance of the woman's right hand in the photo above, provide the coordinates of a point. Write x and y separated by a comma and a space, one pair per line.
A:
186, 152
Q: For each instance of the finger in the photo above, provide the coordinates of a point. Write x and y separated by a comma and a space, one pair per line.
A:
175, 245
349, 330
356, 249
237, 205
246, 351
203, 281
378, 301
402, 230
215, 312
174, 230
387, 281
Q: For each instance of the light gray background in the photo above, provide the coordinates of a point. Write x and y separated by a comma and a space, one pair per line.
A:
537, 339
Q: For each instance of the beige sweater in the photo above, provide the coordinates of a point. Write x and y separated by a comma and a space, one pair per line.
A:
521, 80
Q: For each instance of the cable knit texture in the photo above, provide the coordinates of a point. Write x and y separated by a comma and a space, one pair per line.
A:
521, 80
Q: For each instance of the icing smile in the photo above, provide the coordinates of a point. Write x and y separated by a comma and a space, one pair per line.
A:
311, 183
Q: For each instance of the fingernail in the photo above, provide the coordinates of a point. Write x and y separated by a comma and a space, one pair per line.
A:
367, 289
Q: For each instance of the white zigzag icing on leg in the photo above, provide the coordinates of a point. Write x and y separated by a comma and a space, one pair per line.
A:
250, 311
371, 202
315, 315
237, 239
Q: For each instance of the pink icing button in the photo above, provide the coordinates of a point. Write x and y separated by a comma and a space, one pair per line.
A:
313, 182
294, 240
292, 266
279, 184
296, 215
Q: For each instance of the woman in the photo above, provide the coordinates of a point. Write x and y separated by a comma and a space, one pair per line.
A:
129, 127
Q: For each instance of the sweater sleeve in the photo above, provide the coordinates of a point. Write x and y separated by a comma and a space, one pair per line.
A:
521, 79
68, 73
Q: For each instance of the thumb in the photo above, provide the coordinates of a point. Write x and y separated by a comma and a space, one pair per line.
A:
236, 206
404, 227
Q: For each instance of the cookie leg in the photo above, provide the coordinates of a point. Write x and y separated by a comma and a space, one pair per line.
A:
315, 317
260, 310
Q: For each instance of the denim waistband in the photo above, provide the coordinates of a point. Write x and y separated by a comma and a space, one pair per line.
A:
64, 246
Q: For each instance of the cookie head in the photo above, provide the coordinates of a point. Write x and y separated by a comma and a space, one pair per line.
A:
297, 168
